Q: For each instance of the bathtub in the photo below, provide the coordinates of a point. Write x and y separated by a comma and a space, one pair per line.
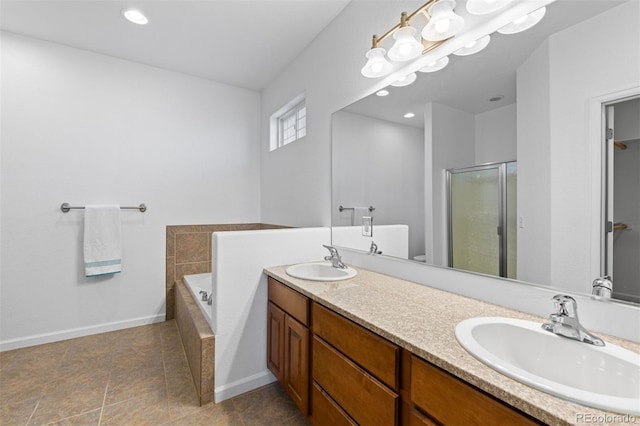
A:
197, 283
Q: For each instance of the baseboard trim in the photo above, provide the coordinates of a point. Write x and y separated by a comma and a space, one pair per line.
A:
241, 386
57, 336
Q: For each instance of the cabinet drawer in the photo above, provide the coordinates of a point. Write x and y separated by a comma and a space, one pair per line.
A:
290, 301
453, 401
372, 352
325, 411
416, 418
364, 398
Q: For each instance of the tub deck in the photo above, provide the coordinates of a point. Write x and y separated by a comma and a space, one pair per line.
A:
198, 341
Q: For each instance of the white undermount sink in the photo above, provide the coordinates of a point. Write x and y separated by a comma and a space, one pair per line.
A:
605, 377
320, 271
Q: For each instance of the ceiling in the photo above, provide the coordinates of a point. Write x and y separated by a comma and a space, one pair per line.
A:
468, 82
237, 42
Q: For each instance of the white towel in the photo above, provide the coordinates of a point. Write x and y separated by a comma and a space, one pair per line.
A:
102, 246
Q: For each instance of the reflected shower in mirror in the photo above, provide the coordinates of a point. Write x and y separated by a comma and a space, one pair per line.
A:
527, 100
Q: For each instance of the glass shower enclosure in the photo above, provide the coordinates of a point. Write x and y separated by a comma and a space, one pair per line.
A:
481, 218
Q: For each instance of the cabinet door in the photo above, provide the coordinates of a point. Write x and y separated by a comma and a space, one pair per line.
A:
275, 341
296, 362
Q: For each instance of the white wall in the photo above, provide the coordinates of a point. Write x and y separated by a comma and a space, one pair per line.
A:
379, 163
496, 135
240, 299
557, 174
85, 128
296, 179
449, 144
534, 162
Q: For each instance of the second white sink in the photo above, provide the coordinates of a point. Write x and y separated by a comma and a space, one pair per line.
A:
601, 377
320, 271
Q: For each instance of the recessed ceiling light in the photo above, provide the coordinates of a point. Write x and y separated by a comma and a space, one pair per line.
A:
135, 16
409, 115
382, 92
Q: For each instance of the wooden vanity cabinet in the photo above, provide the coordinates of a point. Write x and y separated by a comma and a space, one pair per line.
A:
340, 373
355, 372
288, 341
451, 401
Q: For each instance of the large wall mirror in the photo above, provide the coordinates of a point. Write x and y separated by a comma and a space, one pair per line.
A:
499, 163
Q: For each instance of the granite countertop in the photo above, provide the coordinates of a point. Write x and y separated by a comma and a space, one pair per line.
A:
422, 319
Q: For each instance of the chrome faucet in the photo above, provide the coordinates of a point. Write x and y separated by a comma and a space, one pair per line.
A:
206, 298
335, 258
602, 287
374, 248
565, 321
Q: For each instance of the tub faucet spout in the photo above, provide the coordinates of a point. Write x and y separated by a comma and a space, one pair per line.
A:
203, 296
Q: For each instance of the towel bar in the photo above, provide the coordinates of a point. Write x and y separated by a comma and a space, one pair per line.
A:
65, 207
371, 208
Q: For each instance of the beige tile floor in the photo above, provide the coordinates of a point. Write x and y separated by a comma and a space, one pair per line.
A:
137, 376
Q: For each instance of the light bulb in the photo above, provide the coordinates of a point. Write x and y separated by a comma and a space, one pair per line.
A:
443, 25
524, 22
443, 22
473, 47
436, 65
406, 46
405, 80
377, 65
409, 115
521, 19
382, 92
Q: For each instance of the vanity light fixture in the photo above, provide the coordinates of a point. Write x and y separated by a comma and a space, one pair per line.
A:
382, 92
377, 65
409, 115
484, 7
435, 66
443, 22
524, 23
405, 81
474, 47
406, 46
135, 16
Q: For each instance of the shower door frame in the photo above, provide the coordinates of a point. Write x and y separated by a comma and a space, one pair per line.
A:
501, 227
600, 251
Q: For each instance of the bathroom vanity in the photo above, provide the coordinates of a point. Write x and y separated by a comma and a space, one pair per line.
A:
380, 350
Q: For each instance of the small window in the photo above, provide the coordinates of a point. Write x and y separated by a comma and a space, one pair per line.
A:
289, 123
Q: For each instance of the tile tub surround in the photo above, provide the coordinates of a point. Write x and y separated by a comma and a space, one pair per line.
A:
188, 251
198, 341
422, 320
136, 376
